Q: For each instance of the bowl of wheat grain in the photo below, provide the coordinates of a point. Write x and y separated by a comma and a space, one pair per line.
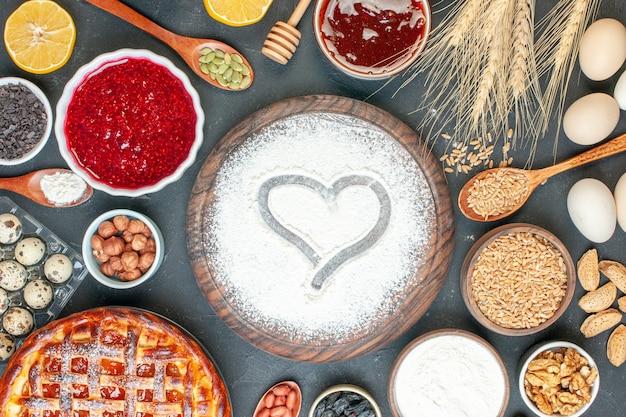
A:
518, 279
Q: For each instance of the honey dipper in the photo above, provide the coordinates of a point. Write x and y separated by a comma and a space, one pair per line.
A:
283, 39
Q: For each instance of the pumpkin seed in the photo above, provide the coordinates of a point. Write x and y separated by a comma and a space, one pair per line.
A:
225, 68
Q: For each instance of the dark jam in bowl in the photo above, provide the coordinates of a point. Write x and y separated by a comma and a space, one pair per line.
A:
130, 123
372, 36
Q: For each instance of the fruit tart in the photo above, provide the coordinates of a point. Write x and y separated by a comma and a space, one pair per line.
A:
112, 362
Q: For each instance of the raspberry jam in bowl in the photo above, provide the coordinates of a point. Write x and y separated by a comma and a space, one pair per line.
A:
372, 39
129, 123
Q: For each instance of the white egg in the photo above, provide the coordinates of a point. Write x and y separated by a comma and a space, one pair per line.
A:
620, 201
620, 91
591, 118
592, 208
602, 49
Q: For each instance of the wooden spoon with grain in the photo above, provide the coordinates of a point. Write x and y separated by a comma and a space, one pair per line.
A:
486, 189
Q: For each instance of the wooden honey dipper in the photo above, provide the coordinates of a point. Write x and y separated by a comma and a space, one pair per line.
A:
283, 39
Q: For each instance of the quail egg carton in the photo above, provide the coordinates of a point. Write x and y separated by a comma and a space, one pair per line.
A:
62, 292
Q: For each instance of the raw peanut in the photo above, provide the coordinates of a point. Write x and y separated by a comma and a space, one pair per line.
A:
278, 411
264, 413
280, 400
291, 400
281, 390
288, 413
269, 400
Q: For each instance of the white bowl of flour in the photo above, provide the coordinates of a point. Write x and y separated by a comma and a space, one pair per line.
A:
448, 373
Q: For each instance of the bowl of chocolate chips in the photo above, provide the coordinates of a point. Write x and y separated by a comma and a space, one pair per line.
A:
25, 120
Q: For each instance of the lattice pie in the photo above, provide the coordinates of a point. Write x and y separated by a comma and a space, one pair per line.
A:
112, 362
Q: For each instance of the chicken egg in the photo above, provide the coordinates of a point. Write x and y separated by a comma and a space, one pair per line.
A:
620, 201
620, 91
592, 208
591, 118
602, 49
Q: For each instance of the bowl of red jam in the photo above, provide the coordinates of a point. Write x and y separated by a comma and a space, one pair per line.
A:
372, 39
129, 122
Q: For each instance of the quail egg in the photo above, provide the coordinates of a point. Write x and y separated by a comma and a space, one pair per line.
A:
38, 294
13, 275
30, 250
18, 321
4, 301
7, 346
10, 228
58, 268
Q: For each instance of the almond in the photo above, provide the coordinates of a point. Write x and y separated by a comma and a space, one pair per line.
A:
600, 299
616, 272
599, 322
616, 348
621, 303
588, 272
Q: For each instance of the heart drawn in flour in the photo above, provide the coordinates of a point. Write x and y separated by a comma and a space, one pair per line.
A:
329, 194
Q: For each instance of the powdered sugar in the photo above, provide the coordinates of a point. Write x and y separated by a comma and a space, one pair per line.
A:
268, 278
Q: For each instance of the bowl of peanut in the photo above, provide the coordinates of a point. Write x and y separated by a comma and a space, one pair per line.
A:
558, 378
123, 248
518, 279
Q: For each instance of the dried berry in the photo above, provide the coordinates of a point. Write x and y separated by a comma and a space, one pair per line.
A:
344, 403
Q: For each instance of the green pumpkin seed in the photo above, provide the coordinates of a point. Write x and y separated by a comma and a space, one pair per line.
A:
245, 70
204, 68
205, 51
222, 68
236, 66
219, 53
236, 77
228, 74
236, 58
212, 67
245, 82
220, 79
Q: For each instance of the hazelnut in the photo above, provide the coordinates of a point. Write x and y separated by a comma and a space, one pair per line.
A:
97, 243
145, 261
127, 236
107, 269
136, 226
107, 229
116, 263
130, 260
101, 256
139, 242
113, 246
121, 222
147, 232
131, 275
149, 248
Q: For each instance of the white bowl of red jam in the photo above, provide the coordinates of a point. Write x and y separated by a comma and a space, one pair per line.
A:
129, 122
372, 39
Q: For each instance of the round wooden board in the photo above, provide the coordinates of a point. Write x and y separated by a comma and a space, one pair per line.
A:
428, 279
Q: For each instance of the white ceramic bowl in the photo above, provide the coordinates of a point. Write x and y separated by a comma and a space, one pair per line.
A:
92, 264
554, 345
448, 371
348, 388
68, 93
48, 109
400, 63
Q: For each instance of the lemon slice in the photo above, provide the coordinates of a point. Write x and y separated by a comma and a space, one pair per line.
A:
237, 12
39, 36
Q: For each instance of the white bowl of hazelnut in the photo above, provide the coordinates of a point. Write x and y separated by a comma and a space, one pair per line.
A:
122, 248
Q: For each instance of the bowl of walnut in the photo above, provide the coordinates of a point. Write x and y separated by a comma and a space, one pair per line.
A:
517, 279
123, 248
558, 378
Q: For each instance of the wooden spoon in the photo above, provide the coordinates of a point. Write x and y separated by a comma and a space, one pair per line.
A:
188, 48
271, 394
535, 177
29, 185
283, 39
